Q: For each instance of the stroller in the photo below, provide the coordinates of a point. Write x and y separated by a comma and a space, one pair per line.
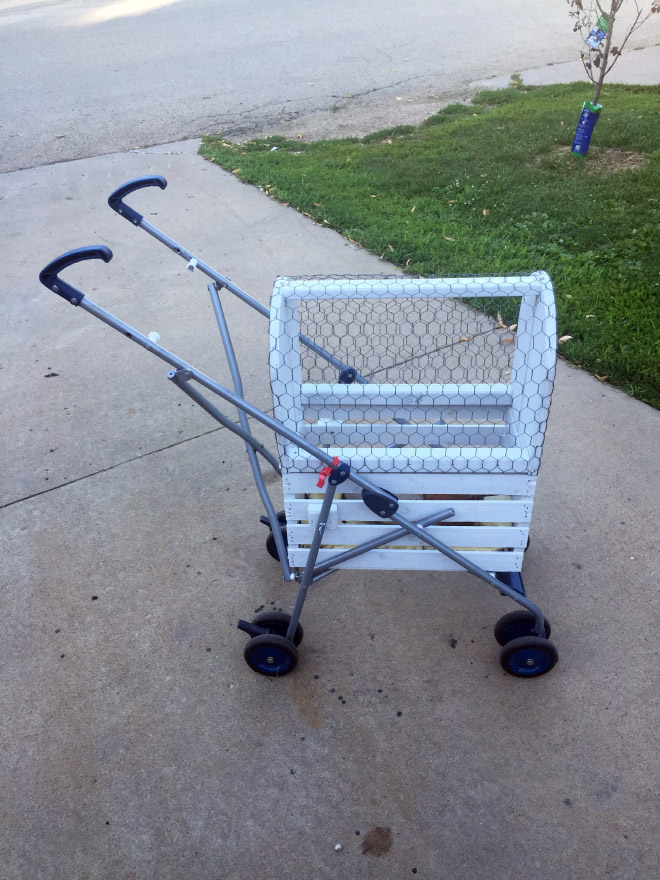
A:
410, 415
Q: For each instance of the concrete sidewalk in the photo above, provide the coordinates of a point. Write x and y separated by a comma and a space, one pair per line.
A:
638, 67
136, 743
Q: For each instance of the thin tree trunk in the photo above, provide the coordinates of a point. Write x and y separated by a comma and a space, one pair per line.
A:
606, 53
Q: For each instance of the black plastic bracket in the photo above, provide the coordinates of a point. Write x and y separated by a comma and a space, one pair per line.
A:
49, 274
382, 502
115, 200
339, 474
513, 580
347, 376
251, 628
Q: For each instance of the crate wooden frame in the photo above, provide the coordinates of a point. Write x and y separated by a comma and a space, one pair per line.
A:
491, 488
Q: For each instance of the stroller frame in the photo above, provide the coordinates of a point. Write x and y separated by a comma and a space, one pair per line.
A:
275, 651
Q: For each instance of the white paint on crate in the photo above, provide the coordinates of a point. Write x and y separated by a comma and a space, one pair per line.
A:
414, 560
511, 417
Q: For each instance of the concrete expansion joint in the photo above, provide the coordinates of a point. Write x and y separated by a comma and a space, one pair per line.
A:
111, 467
153, 152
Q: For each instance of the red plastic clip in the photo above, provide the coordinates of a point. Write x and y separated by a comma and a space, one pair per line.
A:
326, 471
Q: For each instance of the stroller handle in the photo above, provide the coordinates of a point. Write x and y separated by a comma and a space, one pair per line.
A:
49, 274
115, 200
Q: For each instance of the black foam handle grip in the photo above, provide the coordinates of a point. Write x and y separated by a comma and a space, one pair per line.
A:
49, 274
116, 199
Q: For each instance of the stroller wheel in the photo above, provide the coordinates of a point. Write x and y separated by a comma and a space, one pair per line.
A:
278, 623
517, 624
271, 546
271, 655
528, 656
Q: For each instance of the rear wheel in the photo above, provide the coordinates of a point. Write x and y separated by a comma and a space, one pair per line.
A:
271, 546
277, 622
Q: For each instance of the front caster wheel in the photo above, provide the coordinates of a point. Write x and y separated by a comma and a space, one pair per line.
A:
271, 655
277, 622
528, 657
517, 624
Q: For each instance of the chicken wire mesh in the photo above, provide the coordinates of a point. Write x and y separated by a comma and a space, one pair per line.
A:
434, 375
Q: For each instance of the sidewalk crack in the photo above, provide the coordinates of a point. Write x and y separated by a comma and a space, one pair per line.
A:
109, 468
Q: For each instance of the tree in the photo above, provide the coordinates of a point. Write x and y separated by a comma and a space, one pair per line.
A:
601, 55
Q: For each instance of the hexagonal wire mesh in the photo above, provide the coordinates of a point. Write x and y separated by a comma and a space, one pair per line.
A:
449, 375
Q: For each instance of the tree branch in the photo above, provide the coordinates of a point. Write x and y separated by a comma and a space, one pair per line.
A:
633, 27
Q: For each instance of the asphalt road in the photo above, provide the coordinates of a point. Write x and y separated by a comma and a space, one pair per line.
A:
84, 77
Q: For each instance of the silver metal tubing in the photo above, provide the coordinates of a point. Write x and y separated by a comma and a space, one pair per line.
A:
221, 281
473, 568
331, 359
179, 379
89, 306
323, 574
308, 573
374, 543
300, 441
243, 419
203, 267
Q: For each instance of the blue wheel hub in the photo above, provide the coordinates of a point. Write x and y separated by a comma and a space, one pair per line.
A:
530, 661
270, 660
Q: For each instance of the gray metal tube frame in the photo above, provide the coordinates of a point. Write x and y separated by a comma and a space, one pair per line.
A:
300, 441
308, 572
181, 379
243, 420
329, 565
221, 281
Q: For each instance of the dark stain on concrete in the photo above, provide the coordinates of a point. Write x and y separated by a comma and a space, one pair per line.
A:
306, 700
377, 841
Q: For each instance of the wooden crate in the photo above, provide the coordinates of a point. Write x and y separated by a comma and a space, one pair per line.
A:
459, 442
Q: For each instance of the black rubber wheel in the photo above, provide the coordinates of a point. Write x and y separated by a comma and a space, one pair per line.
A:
271, 546
271, 655
517, 624
528, 657
277, 622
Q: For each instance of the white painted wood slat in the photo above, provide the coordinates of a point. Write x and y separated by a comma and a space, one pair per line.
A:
445, 484
415, 560
352, 511
454, 536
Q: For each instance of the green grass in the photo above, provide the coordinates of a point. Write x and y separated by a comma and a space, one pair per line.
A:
490, 188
